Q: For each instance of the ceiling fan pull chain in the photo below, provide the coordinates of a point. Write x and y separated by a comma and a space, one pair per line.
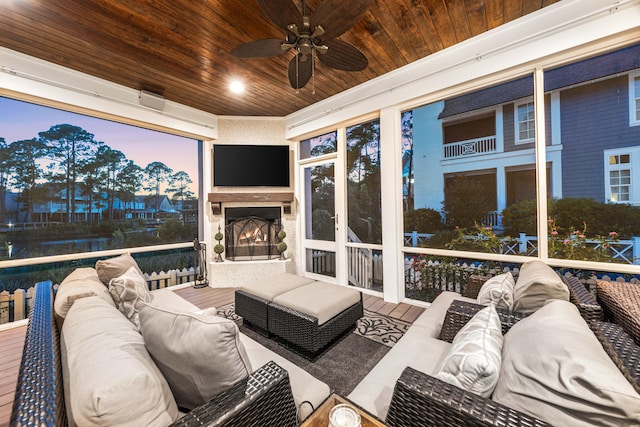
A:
313, 73
297, 73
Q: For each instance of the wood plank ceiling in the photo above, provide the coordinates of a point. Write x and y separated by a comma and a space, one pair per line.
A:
180, 49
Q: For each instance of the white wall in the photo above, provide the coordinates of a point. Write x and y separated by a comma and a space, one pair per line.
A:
250, 130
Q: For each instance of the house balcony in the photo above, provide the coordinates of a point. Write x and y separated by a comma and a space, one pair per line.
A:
470, 147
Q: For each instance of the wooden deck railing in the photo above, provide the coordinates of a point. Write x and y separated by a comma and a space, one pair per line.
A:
17, 305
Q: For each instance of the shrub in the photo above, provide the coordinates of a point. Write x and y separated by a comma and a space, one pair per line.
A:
423, 220
466, 202
520, 218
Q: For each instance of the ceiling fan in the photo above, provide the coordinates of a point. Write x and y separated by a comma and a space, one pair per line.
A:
306, 34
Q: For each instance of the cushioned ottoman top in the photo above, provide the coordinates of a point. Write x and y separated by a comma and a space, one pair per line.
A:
270, 287
319, 299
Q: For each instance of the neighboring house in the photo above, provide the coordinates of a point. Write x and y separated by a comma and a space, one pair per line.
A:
158, 206
53, 207
592, 134
132, 209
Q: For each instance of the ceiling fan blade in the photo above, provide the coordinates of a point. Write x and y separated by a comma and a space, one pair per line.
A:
300, 71
259, 49
343, 56
338, 16
281, 12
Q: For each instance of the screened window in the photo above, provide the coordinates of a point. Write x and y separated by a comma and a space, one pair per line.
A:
318, 145
619, 184
634, 95
71, 183
525, 122
594, 215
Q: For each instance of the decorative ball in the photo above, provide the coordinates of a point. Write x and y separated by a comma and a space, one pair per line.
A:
282, 234
218, 236
218, 248
281, 247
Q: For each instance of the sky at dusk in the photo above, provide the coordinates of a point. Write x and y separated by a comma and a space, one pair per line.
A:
22, 120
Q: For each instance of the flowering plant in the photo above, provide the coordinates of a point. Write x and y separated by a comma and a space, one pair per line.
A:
575, 244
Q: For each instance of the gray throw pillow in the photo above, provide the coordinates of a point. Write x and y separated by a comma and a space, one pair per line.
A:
200, 355
115, 267
537, 283
554, 368
109, 377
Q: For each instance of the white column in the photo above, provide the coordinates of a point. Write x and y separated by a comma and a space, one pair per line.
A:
391, 192
501, 188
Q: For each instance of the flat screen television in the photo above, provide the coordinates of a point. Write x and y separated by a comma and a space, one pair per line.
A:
250, 165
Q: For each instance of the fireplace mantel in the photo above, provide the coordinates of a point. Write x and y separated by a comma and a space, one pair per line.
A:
218, 198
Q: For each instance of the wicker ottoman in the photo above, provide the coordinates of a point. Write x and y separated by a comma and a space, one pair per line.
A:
309, 318
252, 299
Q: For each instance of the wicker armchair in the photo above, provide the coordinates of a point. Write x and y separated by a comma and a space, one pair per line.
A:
421, 400
586, 303
264, 398
460, 312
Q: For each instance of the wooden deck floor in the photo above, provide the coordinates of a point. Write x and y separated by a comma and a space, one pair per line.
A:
217, 297
12, 340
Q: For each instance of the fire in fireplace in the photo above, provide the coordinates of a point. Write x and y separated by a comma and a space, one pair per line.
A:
250, 233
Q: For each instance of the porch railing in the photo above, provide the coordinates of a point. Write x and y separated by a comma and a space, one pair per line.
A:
624, 251
482, 145
17, 305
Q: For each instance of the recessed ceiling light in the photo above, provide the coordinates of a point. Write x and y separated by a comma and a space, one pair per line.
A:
236, 86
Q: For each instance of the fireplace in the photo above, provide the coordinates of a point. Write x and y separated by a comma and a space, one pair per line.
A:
251, 233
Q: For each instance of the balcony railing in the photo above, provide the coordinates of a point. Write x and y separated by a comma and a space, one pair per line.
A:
486, 144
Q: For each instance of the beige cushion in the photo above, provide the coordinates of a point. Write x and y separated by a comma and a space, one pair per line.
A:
129, 291
319, 299
536, 284
498, 290
270, 287
304, 387
200, 355
473, 362
115, 267
109, 377
554, 368
82, 282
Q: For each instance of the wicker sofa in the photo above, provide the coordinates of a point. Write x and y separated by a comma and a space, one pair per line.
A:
403, 388
275, 392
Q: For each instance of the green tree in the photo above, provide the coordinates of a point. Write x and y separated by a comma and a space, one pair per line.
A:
156, 173
363, 181
70, 147
179, 189
5, 161
129, 183
26, 172
110, 162
91, 184
466, 202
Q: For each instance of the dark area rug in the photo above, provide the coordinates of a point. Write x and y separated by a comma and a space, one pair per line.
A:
341, 367
347, 361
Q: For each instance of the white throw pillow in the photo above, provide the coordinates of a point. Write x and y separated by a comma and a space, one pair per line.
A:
109, 377
200, 355
498, 290
537, 283
129, 291
473, 361
554, 368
